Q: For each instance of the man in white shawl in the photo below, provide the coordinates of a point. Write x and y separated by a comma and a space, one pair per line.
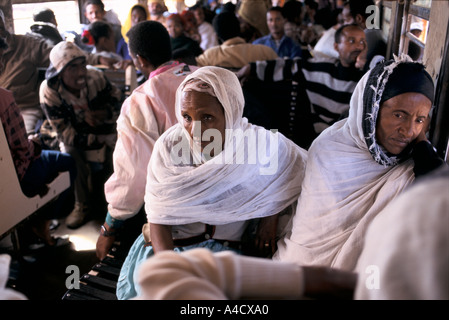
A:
212, 173
357, 166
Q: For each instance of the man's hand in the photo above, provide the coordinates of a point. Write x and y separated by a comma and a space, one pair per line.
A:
104, 244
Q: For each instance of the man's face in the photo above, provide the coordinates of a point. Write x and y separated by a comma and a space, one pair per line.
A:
275, 23
352, 43
156, 8
401, 119
346, 15
74, 75
94, 13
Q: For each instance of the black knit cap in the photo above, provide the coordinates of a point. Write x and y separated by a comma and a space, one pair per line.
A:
409, 77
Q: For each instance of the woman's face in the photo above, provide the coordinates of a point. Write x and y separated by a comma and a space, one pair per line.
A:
200, 112
174, 28
401, 119
74, 75
138, 15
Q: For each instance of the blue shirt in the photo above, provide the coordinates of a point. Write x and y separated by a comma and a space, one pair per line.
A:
287, 47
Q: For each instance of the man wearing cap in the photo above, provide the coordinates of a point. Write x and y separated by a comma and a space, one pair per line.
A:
82, 108
25, 55
252, 15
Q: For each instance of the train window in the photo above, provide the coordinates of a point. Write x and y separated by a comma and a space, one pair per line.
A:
66, 13
386, 21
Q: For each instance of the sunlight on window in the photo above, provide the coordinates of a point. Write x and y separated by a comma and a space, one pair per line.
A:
66, 13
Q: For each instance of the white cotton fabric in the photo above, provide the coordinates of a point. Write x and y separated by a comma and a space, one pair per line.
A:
406, 255
223, 189
344, 188
5, 292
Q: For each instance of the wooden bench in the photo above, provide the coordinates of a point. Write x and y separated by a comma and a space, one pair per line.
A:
14, 205
125, 80
100, 283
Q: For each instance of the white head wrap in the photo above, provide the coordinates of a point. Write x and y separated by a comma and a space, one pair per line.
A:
226, 188
344, 188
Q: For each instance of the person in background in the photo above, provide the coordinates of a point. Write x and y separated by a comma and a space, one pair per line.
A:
35, 167
45, 26
206, 30
94, 11
252, 15
101, 36
157, 9
293, 13
234, 51
324, 90
277, 40
175, 26
82, 107
190, 25
136, 14
25, 56
145, 115
354, 11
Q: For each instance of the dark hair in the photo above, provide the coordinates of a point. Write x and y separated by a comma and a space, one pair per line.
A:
226, 25
292, 10
45, 15
141, 8
150, 40
95, 3
97, 30
339, 31
184, 55
277, 9
359, 7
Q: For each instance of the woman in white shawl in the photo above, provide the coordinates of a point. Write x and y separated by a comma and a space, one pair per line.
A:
357, 166
211, 174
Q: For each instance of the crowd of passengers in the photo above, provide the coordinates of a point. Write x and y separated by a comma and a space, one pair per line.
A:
345, 128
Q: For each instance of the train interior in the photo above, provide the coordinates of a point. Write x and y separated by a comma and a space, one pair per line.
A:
43, 273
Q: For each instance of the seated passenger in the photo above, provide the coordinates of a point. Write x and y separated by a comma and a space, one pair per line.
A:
360, 164
137, 13
203, 194
45, 26
35, 167
322, 93
175, 26
94, 10
410, 224
284, 46
205, 29
157, 9
252, 15
191, 26
234, 51
101, 36
82, 108
144, 116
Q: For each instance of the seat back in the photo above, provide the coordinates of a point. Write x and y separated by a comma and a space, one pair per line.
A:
14, 205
